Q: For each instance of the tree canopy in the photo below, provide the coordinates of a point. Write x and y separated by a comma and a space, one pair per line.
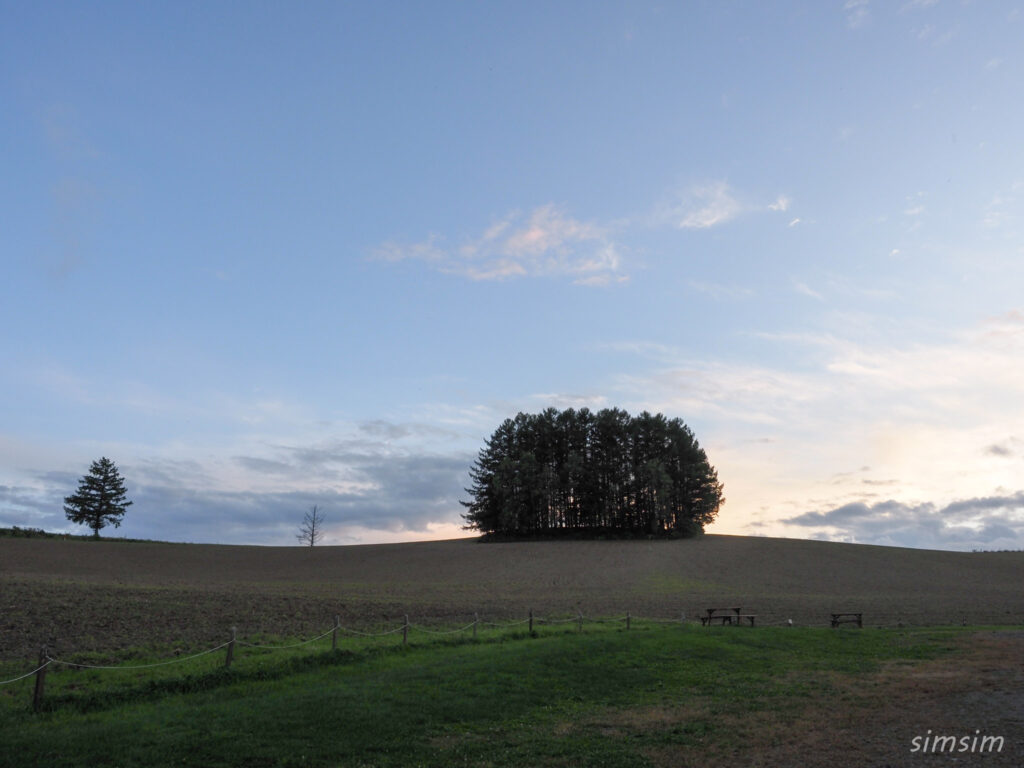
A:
100, 499
574, 470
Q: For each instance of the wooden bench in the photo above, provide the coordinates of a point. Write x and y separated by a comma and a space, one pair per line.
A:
722, 615
725, 616
722, 618
847, 618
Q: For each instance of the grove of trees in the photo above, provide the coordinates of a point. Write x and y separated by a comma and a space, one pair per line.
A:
606, 472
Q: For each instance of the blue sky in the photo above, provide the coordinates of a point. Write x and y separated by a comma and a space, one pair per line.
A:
270, 255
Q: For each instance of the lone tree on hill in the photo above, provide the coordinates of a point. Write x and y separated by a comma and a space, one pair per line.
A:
312, 528
100, 500
581, 472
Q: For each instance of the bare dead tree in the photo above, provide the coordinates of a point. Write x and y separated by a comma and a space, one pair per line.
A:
312, 528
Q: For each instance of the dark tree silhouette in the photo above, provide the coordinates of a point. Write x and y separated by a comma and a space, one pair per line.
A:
312, 528
100, 499
577, 471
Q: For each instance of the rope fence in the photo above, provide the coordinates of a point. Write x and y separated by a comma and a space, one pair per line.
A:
373, 634
125, 667
290, 645
505, 625
28, 674
767, 619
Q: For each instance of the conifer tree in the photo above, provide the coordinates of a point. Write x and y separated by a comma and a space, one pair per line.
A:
100, 499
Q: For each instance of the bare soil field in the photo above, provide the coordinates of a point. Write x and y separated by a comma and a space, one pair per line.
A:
105, 596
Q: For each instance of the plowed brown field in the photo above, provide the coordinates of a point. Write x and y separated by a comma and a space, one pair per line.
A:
103, 596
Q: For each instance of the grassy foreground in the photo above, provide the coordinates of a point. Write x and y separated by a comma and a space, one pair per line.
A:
601, 697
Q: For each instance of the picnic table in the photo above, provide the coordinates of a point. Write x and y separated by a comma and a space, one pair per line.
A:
725, 616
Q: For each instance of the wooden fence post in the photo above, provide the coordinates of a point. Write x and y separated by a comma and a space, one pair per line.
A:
531, 621
231, 649
405, 630
334, 634
37, 696
476, 620
579, 621
627, 621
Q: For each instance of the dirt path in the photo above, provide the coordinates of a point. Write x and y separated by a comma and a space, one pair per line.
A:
872, 721
973, 694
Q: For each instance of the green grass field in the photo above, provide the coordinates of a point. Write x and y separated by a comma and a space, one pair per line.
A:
656, 695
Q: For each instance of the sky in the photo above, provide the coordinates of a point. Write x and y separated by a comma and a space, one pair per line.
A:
269, 255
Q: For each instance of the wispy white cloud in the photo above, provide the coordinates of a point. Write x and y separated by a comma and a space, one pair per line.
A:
794, 222
545, 242
806, 290
995, 213
712, 391
709, 205
940, 419
548, 242
1004, 208
931, 34
858, 13
428, 251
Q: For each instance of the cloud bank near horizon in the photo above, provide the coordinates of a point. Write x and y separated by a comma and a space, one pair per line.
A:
361, 485
876, 442
991, 522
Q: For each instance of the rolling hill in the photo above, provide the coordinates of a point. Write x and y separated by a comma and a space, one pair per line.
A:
89, 595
